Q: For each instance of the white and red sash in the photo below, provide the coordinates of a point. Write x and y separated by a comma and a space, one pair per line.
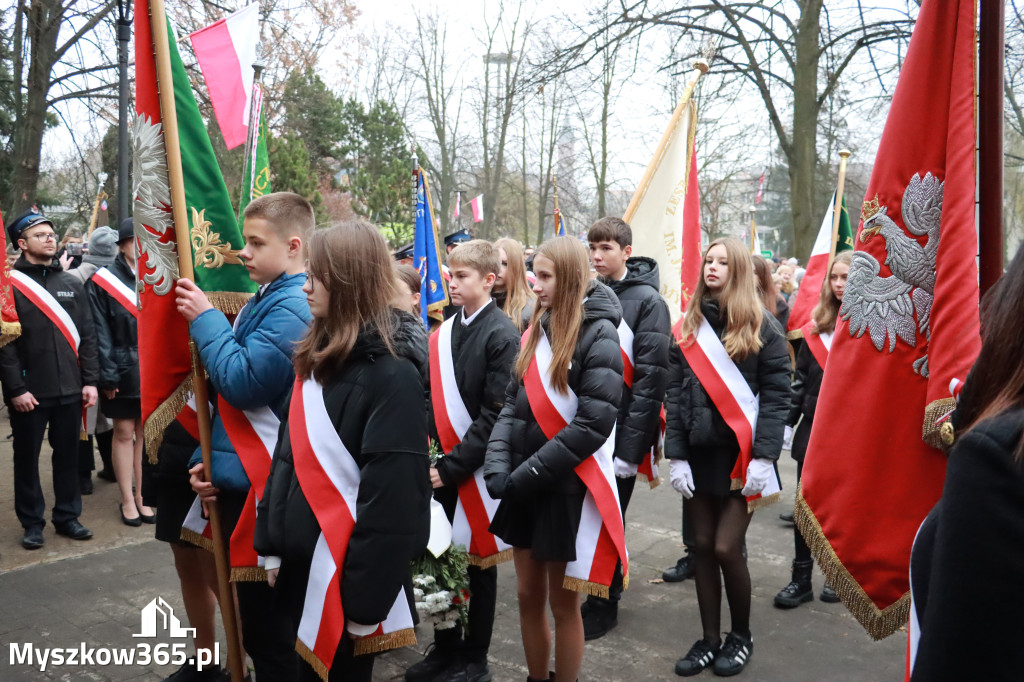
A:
48, 305
475, 507
329, 478
123, 294
601, 537
648, 468
818, 344
737, 404
196, 528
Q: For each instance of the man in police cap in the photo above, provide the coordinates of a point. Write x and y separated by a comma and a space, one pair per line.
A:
48, 374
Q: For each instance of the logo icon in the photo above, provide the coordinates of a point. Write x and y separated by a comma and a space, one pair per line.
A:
158, 616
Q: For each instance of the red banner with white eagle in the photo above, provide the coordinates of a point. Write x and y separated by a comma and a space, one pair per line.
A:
909, 325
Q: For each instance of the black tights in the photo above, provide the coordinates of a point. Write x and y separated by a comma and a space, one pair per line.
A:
719, 528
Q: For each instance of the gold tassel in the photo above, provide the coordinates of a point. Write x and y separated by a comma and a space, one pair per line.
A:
586, 587
9, 331
795, 334
879, 623
309, 657
931, 432
194, 538
652, 482
378, 643
763, 501
625, 581
162, 416
228, 302
493, 560
248, 574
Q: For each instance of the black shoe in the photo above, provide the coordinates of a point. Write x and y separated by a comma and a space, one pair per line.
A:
799, 590
134, 523
108, 475
33, 538
434, 663
700, 656
828, 595
734, 656
189, 673
787, 516
73, 529
602, 617
85, 485
147, 518
680, 572
466, 671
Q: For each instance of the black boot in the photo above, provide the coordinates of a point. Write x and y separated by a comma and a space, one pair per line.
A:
799, 590
828, 595
601, 616
681, 571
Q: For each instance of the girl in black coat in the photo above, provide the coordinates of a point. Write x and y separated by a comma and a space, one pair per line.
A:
703, 449
541, 495
117, 340
806, 385
368, 360
968, 556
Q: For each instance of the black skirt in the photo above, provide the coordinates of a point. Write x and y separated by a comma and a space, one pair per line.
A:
712, 469
545, 523
121, 408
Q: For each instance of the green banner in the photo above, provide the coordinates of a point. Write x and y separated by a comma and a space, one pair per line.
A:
256, 184
844, 240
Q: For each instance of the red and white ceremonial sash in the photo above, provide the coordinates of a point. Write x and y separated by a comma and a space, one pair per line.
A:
195, 529
737, 404
117, 289
649, 466
253, 434
818, 344
49, 306
329, 478
601, 537
475, 507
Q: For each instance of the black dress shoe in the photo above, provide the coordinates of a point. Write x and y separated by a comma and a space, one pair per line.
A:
601, 617
73, 529
680, 572
85, 485
33, 538
147, 518
787, 516
106, 475
134, 523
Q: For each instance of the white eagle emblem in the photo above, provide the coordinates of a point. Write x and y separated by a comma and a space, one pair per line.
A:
152, 203
886, 307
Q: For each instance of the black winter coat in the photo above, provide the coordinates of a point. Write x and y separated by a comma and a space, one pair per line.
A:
501, 299
117, 335
483, 356
693, 421
376, 405
782, 311
521, 461
41, 361
806, 386
968, 557
645, 312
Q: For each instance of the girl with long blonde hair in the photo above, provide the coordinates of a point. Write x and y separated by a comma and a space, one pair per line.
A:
704, 448
534, 477
512, 292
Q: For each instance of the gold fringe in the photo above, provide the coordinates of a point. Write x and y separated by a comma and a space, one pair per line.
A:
493, 560
194, 538
9, 331
625, 581
930, 431
228, 302
309, 657
162, 416
587, 587
392, 640
653, 482
763, 501
879, 623
248, 574
795, 334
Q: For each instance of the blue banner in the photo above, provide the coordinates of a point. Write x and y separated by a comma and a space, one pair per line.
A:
427, 253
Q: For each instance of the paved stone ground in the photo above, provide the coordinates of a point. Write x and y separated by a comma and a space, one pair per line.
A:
92, 592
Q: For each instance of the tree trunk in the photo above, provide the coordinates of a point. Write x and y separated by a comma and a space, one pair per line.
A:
802, 156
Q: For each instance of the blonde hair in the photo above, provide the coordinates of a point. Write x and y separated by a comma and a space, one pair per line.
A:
476, 254
288, 214
352, 260
518, 292
739, 303
826, 312
787, 287
572, 266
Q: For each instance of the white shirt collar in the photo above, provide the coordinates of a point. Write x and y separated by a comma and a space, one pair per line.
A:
466, 321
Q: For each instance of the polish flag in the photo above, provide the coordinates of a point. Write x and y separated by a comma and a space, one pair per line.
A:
478, 208
810, 287
225, 51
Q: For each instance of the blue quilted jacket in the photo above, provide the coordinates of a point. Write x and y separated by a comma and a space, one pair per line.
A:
250, 366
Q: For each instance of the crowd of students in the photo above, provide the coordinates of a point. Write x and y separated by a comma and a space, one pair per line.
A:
546, 399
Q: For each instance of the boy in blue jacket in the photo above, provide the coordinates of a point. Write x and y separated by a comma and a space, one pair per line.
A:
250, 369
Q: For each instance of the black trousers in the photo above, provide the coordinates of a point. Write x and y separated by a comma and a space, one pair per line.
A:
476, 641
268, 632
64, 423
345, 668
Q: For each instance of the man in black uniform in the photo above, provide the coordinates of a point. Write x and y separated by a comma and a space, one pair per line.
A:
48, 374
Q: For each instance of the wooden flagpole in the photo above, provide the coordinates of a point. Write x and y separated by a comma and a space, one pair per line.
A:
837, 208
558, 214
991, 42
700, 67
179, 211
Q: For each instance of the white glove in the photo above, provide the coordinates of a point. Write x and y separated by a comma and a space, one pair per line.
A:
681, 475
623, 469
787, 438
759, 472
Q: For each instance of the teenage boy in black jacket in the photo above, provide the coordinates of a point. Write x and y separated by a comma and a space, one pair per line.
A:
49, 374
646, 319
483, 348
